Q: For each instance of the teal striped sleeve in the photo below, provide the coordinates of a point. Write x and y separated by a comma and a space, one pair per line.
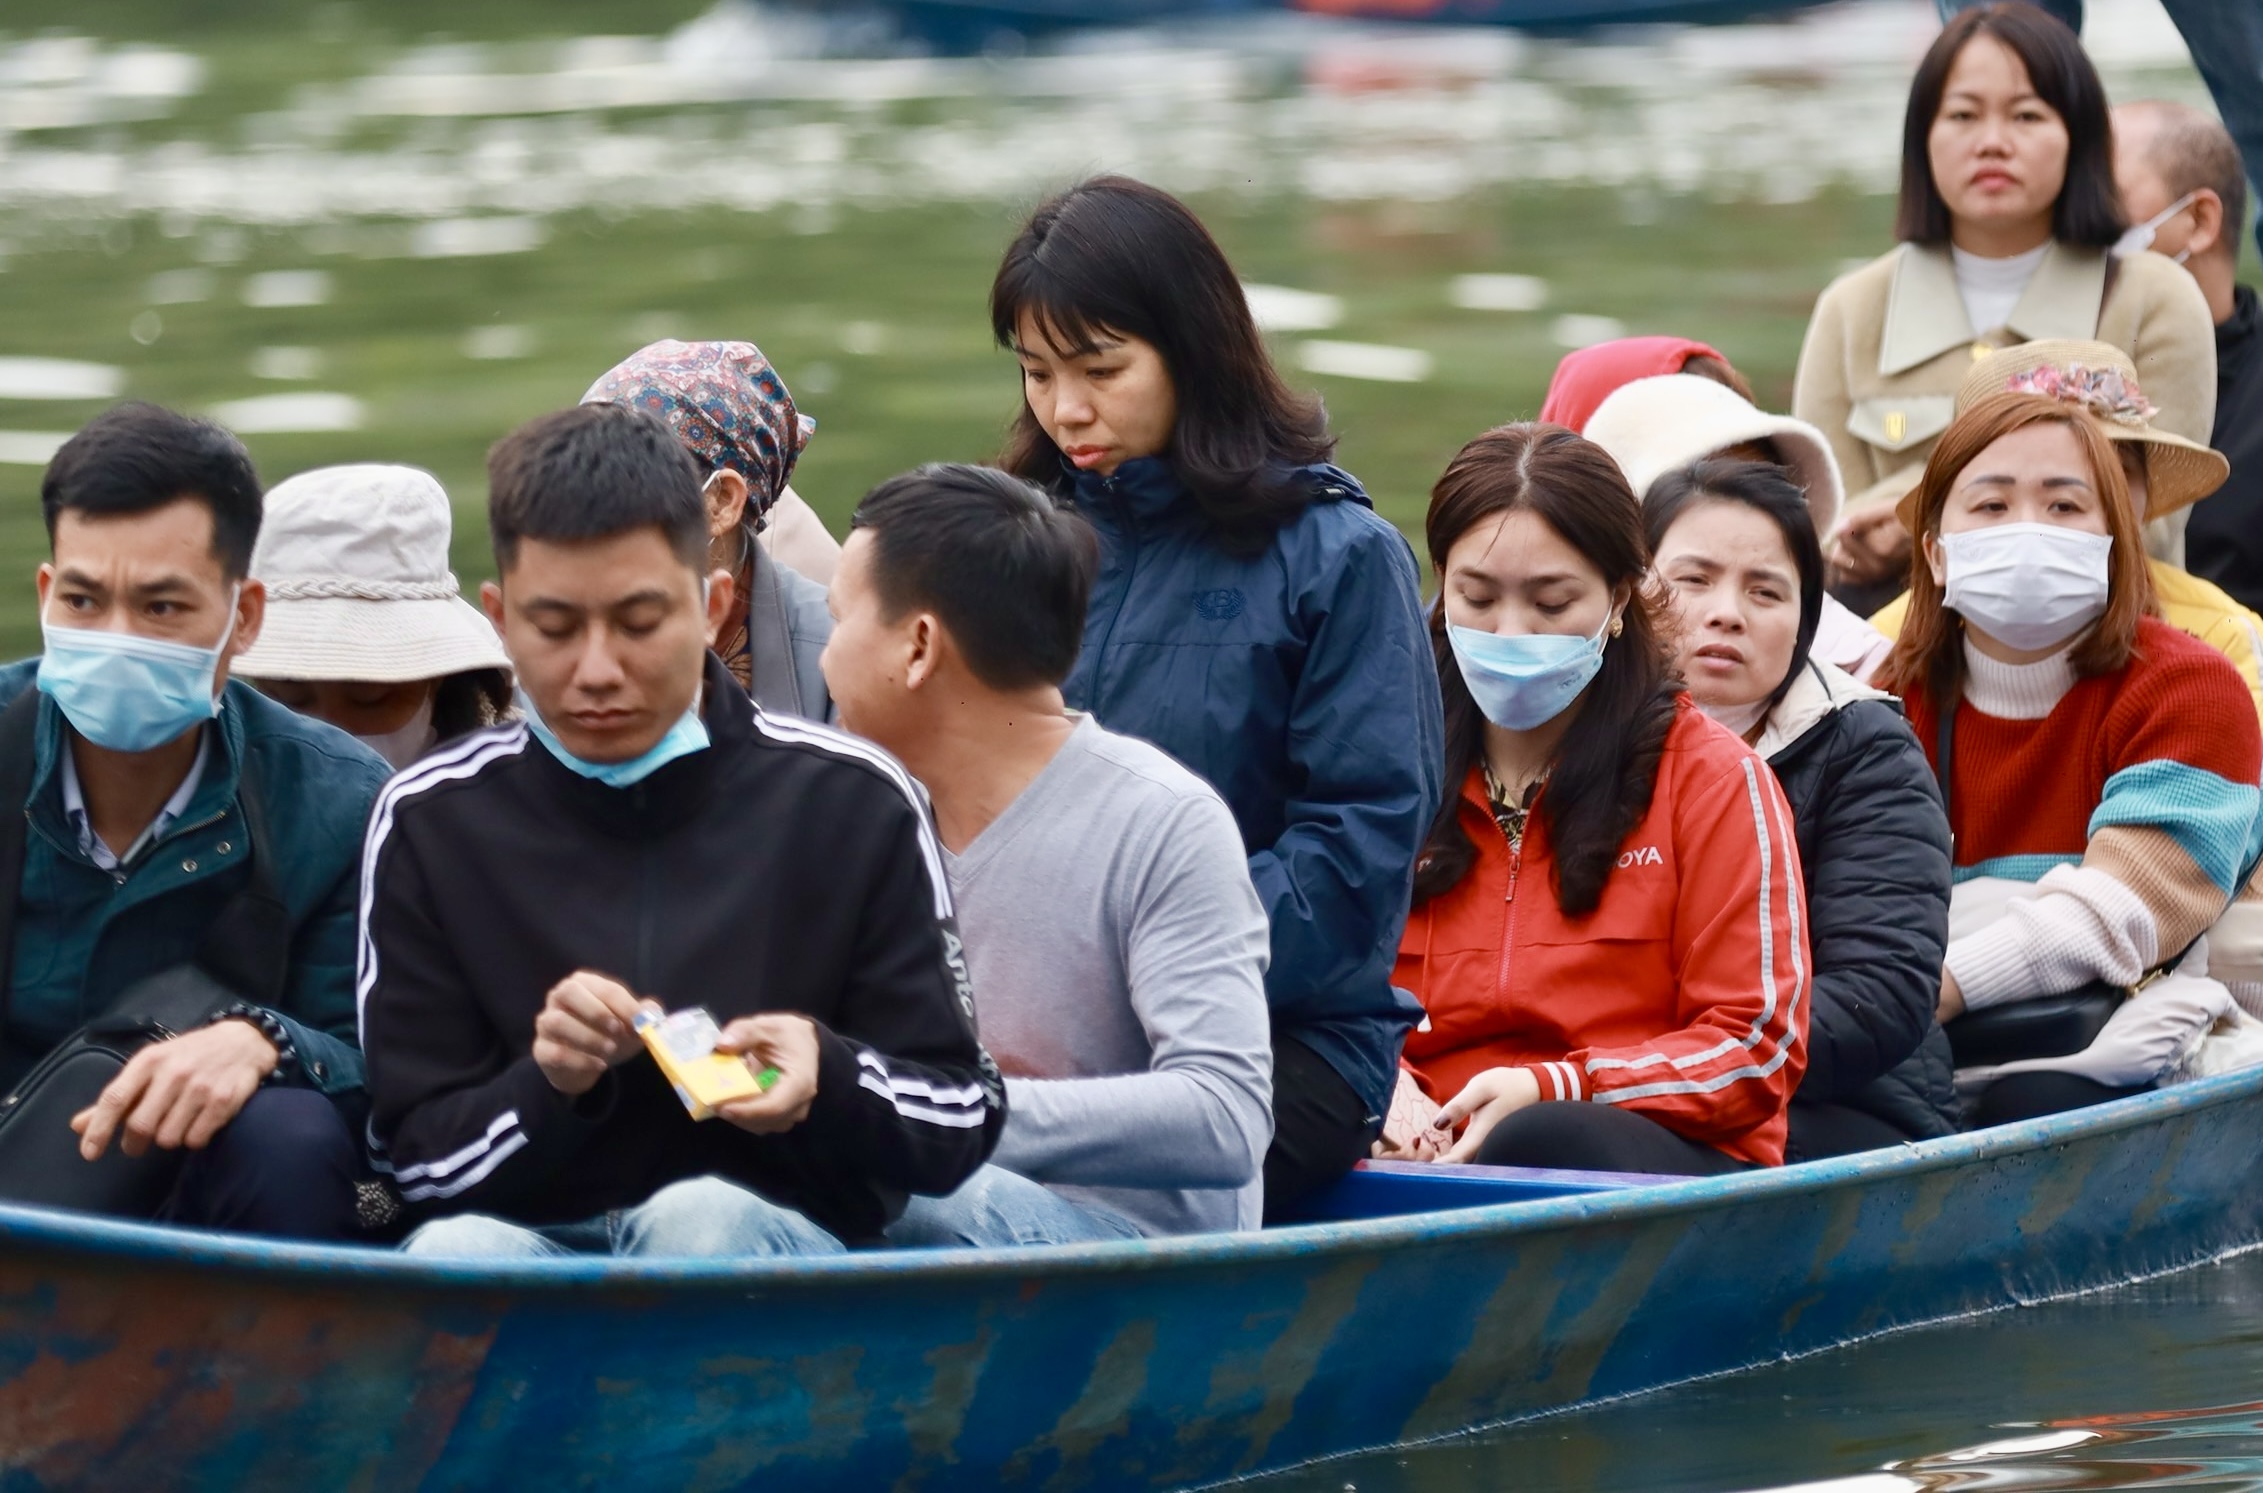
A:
2211, 818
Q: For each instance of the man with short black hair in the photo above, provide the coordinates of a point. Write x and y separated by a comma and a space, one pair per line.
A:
161, 793
1117, 947
645, 842
2182, 180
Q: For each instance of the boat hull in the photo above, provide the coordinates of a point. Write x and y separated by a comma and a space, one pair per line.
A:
131, 1354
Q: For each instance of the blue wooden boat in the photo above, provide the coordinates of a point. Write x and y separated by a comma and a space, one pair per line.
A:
132, 1356
970, 25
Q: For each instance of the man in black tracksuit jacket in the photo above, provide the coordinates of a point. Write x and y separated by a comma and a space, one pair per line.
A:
785, 867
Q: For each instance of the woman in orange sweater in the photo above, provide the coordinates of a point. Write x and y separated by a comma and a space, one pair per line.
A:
1607, 931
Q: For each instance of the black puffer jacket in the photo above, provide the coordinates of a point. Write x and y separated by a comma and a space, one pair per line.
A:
1874, 843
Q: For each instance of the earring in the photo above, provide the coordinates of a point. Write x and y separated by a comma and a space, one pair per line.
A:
1618, 625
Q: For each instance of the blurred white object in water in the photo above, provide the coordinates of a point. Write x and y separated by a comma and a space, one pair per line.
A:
59, 378
1577, 330
1498, 292
290, 414
1278, 308
178, 287
30, 448
864, 338
1368, 360
452, 238
498, 343
286, 363
287, 288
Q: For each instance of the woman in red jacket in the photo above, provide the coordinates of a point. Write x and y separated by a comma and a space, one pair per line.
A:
1607, 931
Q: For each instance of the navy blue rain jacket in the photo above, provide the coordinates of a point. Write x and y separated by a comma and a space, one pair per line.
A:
1299, 681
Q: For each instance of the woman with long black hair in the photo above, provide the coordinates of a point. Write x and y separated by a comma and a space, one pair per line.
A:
1253, 617
1608, 932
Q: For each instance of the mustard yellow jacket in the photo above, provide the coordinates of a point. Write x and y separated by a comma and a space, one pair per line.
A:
1890, 343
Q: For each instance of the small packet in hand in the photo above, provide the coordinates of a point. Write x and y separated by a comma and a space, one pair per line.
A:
683, 1044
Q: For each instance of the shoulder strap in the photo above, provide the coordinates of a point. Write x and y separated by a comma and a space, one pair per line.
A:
19, 741
769, 642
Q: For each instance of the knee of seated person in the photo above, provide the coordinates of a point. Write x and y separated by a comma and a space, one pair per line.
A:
1537, 1135
474, 1236
707, 1217
288, 1127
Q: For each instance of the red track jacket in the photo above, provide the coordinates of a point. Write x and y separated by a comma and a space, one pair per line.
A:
1683, 996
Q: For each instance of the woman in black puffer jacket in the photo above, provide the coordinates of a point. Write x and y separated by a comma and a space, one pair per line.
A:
1734, 546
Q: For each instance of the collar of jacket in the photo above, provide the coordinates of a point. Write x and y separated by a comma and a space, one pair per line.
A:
1148, 488
1820, 691
2235, 338
1144, 489
214, 792
676, 794
1925, 315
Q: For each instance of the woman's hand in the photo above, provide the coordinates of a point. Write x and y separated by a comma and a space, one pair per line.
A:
1871, 547
1489, 1098
1952, 999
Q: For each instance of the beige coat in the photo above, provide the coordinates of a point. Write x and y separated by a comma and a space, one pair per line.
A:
1890, 344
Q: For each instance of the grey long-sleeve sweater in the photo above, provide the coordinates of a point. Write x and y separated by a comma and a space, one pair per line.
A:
1117, 951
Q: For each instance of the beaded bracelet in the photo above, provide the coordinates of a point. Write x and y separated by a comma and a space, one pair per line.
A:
271, 1027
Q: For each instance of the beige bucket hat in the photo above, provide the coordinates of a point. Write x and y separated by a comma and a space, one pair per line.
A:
1654, 425
2100, 378
355, 559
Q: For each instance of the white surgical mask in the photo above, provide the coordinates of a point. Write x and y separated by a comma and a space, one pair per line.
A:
2028, 586
2140, 236
407, 742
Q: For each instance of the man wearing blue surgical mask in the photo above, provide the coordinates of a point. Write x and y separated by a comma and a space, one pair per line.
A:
647, 841
2181, 178
159, 793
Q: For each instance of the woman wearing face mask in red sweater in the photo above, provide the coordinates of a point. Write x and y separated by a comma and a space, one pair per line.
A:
1607, 932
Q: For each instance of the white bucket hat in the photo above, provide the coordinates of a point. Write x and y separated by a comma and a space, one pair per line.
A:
1654, 425
355, 560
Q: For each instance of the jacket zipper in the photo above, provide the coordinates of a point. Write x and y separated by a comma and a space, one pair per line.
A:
640, 979
1509, 902
1123, 517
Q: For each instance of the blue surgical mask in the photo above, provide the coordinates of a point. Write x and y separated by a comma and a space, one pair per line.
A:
686, 736
129, 693
1525, 681
2140, 236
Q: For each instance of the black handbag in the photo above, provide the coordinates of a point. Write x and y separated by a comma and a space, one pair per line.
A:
243, 956
2046, 1026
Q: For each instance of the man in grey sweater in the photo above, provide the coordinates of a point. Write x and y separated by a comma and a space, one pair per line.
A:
1116, 947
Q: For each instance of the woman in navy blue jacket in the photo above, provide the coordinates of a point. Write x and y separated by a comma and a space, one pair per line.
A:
1253, 617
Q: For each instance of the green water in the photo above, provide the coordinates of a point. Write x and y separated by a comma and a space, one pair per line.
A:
2153, 1386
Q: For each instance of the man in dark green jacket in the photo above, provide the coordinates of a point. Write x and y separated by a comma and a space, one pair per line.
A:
135, 836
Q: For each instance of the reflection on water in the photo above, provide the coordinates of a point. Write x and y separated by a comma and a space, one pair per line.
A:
2150, 1386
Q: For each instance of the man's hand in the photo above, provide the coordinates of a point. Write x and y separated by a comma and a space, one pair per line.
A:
786, 1043
585, 1027
1952, 999
178, 1092
1489, 1098
1872, 546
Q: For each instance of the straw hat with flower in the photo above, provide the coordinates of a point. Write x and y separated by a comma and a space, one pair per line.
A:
355, 560
2100, 378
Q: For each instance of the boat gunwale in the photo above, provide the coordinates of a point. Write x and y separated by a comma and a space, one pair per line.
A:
24, 1229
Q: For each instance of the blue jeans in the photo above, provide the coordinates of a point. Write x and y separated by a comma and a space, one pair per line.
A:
2225, 38
998, 1209
704, 1218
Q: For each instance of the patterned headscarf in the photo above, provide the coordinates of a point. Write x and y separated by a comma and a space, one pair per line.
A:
724, 401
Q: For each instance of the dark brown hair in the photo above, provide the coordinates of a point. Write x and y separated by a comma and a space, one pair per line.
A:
1607, 764
1928, 657
466, 702
1116, 255
2089, 206
1770, 489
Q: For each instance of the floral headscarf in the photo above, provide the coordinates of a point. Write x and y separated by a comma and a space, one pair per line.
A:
725, 402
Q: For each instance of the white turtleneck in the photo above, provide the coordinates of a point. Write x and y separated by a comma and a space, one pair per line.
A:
1738, 718
2017, 692
1992, 287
